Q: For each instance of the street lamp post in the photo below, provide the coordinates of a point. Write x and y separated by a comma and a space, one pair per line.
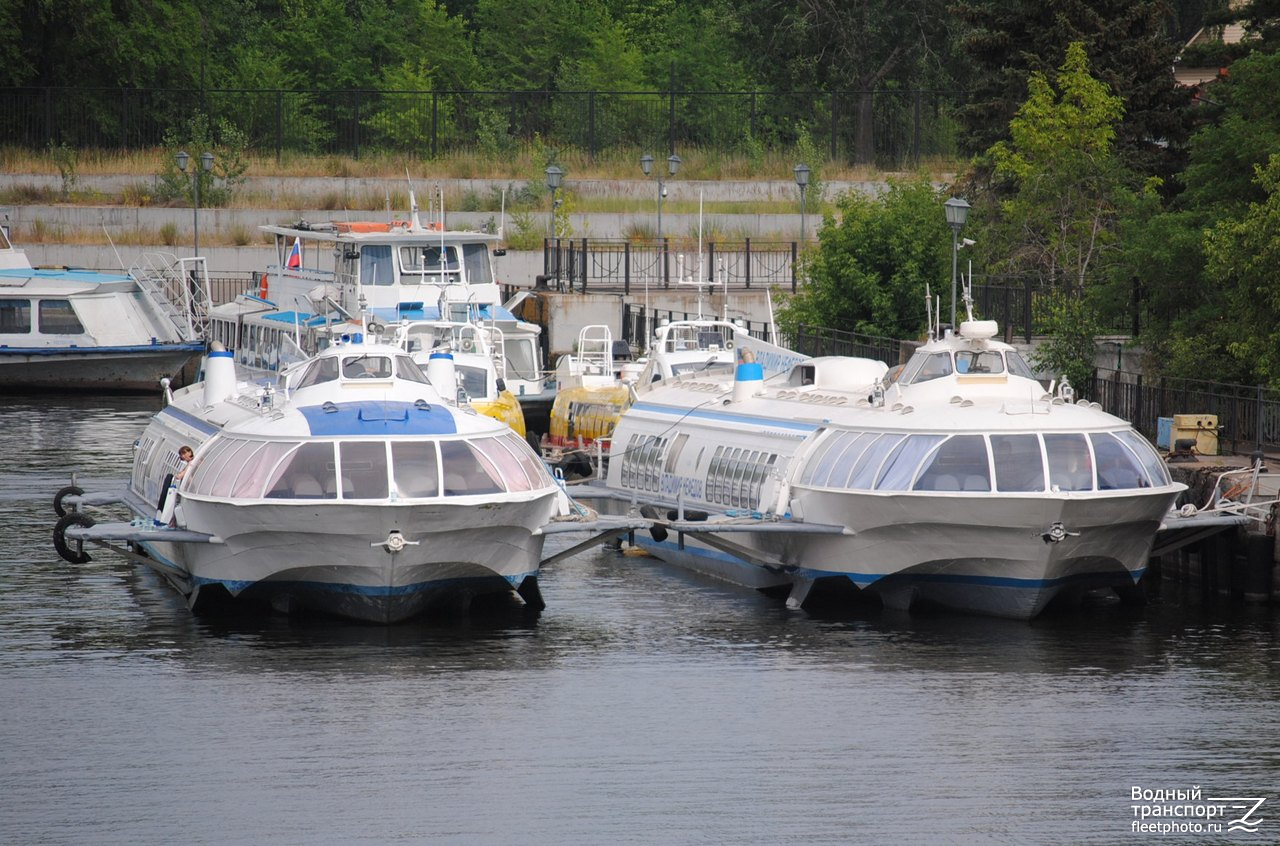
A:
673, 165
802, 179
554, 175
957, 213
206, 165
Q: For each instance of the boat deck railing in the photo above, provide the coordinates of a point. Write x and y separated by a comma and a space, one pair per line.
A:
178, 289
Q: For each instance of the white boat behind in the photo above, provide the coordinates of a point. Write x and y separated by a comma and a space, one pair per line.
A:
68, 329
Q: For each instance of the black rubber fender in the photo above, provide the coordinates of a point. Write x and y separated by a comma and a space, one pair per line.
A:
164, 492
77, 555
658, 533
69, 490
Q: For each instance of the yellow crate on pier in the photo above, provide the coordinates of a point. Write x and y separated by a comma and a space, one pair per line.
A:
1202, 428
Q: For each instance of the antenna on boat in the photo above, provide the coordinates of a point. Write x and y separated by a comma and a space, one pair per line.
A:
415, 222
928, 309
440, 220
773, 327
967, 293
502, 221
112, 243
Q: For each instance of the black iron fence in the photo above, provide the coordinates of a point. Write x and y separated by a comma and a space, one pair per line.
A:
586, 265
886, 128
1248, 415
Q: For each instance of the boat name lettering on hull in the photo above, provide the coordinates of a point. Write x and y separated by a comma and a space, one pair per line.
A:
673, 485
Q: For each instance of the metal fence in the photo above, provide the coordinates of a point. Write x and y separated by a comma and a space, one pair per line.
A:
1248, 415
586, 265
885, 128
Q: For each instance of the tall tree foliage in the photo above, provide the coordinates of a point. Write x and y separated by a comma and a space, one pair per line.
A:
1133, 52
1064, 183
873, 262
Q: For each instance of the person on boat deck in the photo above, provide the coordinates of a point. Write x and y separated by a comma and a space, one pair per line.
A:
185, 454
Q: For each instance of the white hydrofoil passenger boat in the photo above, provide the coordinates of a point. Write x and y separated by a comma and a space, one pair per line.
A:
962, 482
351, 488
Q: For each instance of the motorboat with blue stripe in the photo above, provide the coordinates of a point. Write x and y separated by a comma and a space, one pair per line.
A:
69, 329
351, 487
960, 481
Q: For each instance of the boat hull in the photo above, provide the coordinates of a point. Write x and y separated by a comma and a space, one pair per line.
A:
995, 555
335, 559
132, 369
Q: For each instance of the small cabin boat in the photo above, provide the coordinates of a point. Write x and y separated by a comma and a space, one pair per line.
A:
962, 482
382, 274
350, 487
67, 329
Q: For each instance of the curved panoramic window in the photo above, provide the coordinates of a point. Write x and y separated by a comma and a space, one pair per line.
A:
219, 467
1157, 470
901, 466
1070, 463
868, 465
362, 470
258, 469
309, 472
1019, 463
466, 471
417, 468
960, 464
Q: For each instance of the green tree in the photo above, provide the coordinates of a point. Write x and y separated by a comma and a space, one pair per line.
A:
1064, 185
1242, 255
873, 262
1132, 52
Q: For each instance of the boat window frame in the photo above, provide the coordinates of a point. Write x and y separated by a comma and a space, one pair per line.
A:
1157, 470
23, 311
50, 311
1017, 463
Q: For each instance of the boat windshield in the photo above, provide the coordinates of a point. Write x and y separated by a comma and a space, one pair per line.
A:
244, 468
434, 264
363, 366
1016, 463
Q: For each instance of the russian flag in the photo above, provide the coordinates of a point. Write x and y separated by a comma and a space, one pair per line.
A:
295, 254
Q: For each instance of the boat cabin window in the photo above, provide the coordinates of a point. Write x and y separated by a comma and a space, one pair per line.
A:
1019, 463
1118, 467
416, 467
1156, 470
924, 367
375, 265
959, 464
366, 367
521, 355
309, 473
319, 371
362, 469
473, 380
409, 370
57, 317
15, 316
476, 258
901, 466
868, 465
466, 471
1018, 365
429, 263
830, 467
1070, 462
979, 361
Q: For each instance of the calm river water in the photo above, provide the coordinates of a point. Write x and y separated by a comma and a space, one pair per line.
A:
642, 707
